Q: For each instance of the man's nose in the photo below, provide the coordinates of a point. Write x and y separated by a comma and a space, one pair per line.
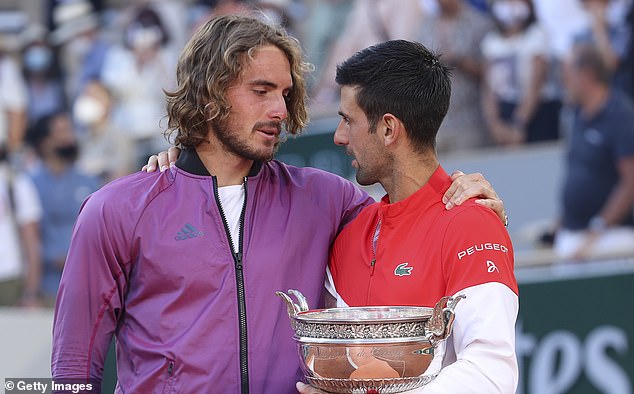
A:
340, 135
279, 109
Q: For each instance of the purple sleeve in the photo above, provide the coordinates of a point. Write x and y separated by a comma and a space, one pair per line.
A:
92, 288
354, 200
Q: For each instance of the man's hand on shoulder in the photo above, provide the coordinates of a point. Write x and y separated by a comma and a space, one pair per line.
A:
466, 186
163, 160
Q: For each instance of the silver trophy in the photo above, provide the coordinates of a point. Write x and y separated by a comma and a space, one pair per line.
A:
374, 349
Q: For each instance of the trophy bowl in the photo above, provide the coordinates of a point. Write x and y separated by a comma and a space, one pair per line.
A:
374, 349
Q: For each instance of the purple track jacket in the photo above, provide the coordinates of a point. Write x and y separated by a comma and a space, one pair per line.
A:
150, 262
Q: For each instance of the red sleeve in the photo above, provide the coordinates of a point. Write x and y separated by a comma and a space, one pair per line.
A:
476, 249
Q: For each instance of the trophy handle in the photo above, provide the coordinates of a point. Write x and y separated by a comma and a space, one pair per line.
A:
303, 304
438, 327
293, 308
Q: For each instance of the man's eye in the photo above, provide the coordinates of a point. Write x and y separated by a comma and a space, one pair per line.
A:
260, 92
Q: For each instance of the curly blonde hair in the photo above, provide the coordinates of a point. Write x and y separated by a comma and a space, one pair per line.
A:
212, 60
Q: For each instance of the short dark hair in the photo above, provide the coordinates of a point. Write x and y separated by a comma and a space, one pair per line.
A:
402, 78
588, 57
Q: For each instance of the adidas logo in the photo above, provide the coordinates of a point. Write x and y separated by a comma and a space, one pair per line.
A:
188, 231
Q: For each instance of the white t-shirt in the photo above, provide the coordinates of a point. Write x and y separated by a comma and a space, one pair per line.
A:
27, 210
510, 61
138, 92
232, 200
563, 19
13, 93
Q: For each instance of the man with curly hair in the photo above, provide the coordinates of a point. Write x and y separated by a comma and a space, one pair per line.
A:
182, 266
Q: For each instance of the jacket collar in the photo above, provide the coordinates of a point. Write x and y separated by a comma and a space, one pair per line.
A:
189, 161
428, 195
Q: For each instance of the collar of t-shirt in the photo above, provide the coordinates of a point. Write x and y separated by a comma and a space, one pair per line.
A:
232, 200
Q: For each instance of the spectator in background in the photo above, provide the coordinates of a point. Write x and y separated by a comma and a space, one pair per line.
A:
561, 20
598, 190
480, 5
136, 74
82, 47
610, 37
41, 74
457, 33
277, 11
213, 8
230, 7
322, 27
520, 97
629, 62
13, 104
369, 22
62, 188
104, 151
20, 213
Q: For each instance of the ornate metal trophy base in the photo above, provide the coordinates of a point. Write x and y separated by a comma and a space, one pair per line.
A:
367, 386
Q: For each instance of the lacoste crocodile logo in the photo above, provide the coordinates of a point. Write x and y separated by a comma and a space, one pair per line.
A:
188, 231
403, 270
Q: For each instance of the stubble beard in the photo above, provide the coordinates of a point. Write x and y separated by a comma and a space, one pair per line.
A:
230, 139
369, 173
364, 178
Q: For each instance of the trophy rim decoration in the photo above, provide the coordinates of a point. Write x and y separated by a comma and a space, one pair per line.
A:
368, 324
389, 385
371, 314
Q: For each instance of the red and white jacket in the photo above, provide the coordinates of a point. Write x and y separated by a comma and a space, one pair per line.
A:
413, 252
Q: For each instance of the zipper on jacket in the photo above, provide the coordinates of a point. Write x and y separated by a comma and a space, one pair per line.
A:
170, 369
169, 381
373, 243
242, 306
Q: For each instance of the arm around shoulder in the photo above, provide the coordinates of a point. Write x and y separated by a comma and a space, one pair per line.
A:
350, 198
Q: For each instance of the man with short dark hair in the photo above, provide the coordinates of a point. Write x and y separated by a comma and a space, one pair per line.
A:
598, 190
408, 249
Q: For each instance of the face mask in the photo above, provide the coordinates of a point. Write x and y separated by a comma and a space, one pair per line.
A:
142, 38
88, 110
37, 59
67, 152
510, 13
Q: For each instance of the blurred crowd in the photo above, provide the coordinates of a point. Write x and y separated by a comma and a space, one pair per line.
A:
82, 103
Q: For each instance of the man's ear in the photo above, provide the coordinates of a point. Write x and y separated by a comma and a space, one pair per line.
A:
391, 129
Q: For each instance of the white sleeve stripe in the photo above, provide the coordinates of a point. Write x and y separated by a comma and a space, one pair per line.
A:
330, 287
